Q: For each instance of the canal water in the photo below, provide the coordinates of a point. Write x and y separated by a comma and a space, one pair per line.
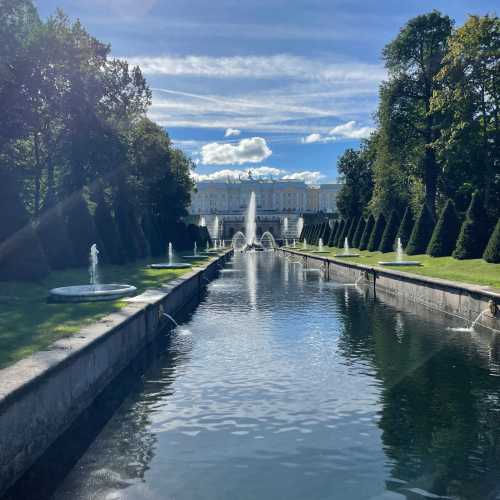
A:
284, 386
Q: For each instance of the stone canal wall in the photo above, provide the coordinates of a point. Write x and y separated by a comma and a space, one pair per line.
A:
457, 299
40, 396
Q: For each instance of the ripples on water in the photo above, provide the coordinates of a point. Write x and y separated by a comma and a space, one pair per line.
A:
282, 386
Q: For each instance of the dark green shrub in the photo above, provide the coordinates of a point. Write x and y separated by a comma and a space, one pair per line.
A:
377, 233
333, 233
21, 253
81, 229
445, 234
343, 234
365, 237
352, 230
359, 232
340, 231
389, 236
53, 234
108, 231
405, 228
492, 251
421, 232
473, 235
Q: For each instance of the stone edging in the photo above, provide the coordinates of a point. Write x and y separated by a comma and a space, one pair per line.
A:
458, 299
41, 395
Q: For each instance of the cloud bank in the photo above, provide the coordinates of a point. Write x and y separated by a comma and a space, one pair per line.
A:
253, 150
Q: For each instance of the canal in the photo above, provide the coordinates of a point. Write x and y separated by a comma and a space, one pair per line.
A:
281, 385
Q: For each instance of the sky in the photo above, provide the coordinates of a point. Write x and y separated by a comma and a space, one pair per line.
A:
279, 87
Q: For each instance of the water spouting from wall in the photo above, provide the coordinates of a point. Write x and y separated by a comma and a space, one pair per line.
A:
250, 223
93, 267
320, 244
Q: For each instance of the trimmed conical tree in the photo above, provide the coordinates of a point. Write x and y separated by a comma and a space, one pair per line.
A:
365, 237
389, 236
81, 229
406, 227
445, 234
421, 232
53, 234
473, 235
333, 234
108, 231
377, 233
492, 251
352, 230
21, 254
359, 232
343, 234
340, 230
155, 240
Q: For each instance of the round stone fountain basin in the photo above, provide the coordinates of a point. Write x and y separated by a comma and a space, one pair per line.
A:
396, 263
91, 293
340, 255
172, 265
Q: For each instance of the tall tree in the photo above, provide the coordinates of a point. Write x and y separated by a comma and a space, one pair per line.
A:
413, 59
466, 106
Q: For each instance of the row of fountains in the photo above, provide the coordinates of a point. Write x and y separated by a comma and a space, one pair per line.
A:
96, 291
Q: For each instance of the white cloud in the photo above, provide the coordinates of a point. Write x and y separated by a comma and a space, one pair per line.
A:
251, 150
349, 130
312, 138
261, 67
232, 132
307, 176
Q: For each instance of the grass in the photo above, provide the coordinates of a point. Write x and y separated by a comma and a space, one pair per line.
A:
28, 323
473, 271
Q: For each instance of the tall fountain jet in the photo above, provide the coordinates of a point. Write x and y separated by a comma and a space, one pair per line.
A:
215, 230
250, 223
300, 226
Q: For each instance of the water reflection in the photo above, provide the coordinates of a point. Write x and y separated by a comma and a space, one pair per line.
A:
291, 387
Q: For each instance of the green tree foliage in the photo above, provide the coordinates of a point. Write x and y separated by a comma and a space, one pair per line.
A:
359, 232
333, 234
107, 231
465, 103
445, 234
355, 169
413, 59
365, 237
389, 235
377, 233
343, 234
352, 230
474, 231
421, 232
492, 251
73, 118
406, 227
21, 254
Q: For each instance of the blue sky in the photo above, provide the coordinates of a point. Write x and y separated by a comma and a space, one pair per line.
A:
281, 87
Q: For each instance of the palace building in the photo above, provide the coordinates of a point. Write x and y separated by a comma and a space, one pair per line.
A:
221, 205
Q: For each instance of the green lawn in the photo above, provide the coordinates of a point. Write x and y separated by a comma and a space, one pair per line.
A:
473, 271
28, 323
